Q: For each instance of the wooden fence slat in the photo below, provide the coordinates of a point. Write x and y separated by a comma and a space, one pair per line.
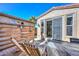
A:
6, 46
2, 43
5, 38
9, 51
5, 42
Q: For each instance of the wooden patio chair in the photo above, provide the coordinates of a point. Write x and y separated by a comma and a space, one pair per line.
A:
27, 49
32, 51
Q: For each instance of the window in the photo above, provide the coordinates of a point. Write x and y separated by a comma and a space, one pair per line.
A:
69, 21
69, 30
69, 25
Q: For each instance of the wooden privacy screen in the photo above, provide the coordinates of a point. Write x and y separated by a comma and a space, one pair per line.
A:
7, 31
28, 32
6, 46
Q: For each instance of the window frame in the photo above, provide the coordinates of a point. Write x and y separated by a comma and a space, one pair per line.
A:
69, 25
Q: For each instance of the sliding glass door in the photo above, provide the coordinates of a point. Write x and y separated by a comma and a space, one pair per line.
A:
57, 29
49, 28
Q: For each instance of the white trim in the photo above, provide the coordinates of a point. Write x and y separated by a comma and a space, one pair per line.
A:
45, 28
74, 24
63, 27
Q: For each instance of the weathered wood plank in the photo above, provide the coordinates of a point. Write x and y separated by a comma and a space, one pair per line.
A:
5, 42
5, 38
10, 51
2, 43
6, 46
4, 34
7, 26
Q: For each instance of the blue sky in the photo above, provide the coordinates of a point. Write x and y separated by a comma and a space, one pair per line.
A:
26, 10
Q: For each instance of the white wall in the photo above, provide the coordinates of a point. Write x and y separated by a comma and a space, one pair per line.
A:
52, 14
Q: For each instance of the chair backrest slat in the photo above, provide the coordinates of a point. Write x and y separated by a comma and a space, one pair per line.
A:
32, 51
